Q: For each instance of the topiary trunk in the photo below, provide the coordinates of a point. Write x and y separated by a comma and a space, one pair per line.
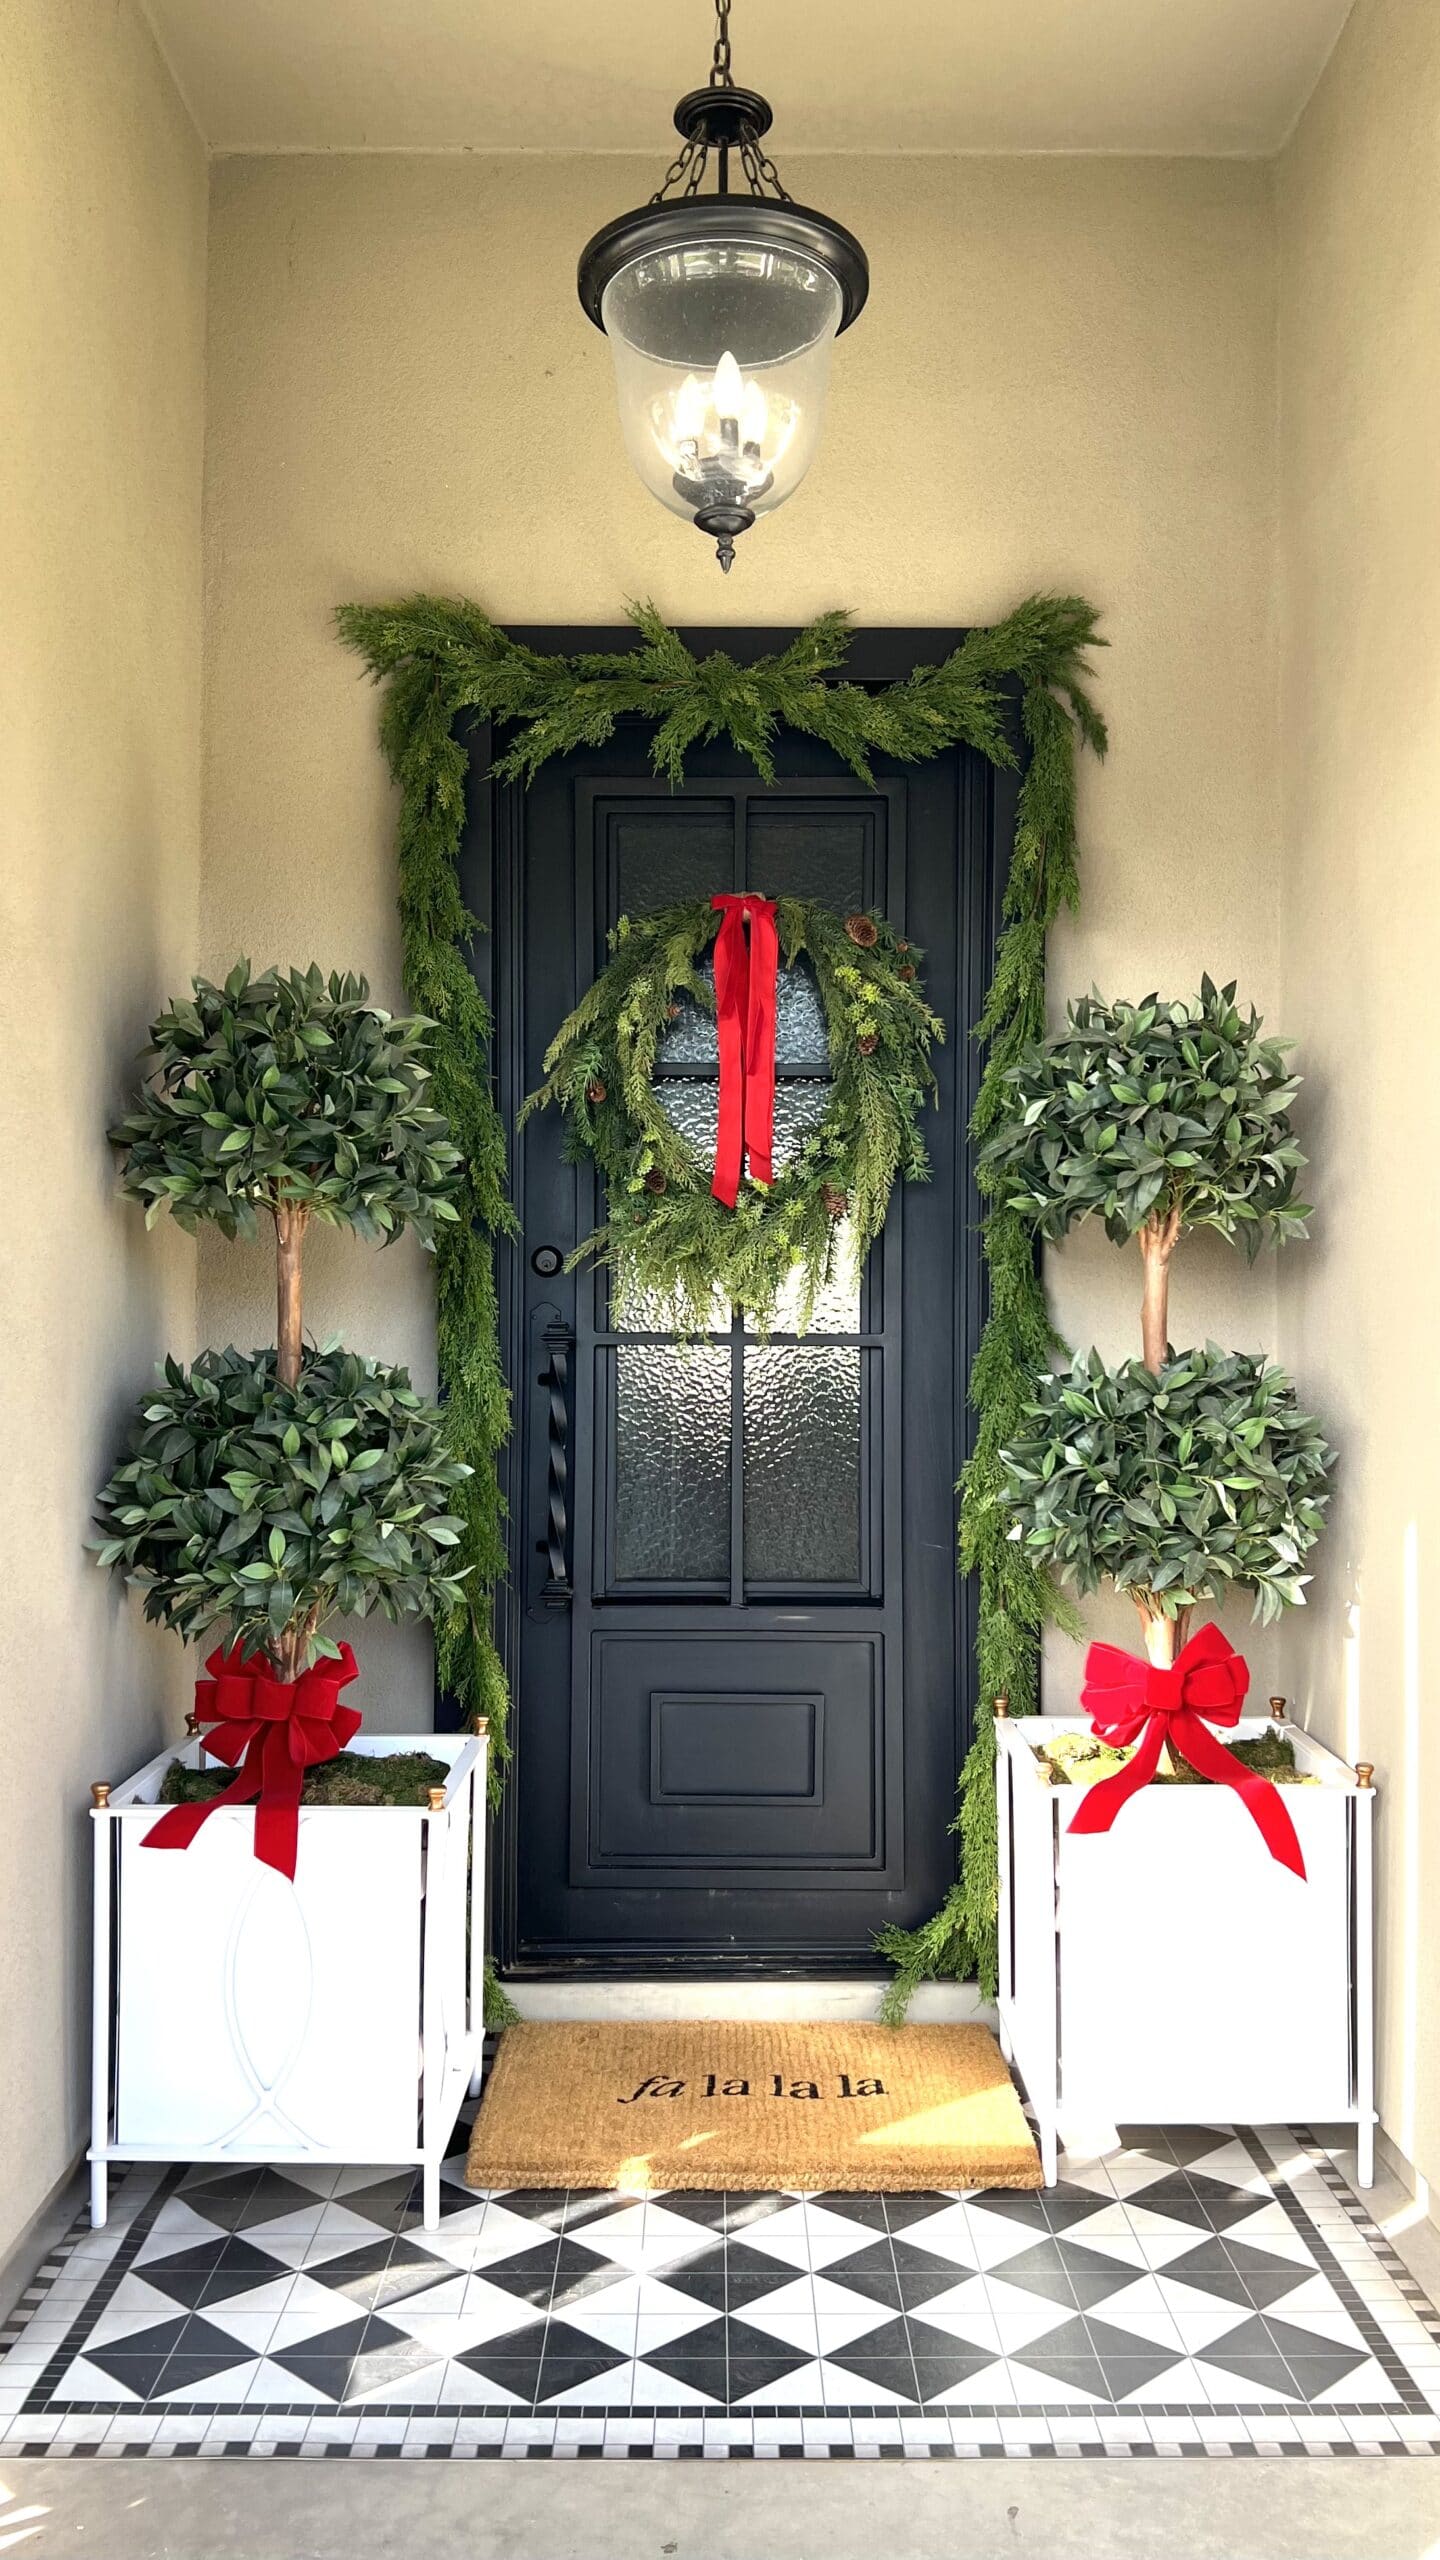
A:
288, 1652
1158, 1239
291, 1222
1163, 1638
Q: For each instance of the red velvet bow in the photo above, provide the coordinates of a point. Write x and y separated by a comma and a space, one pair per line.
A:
272, 1731
745, 974
1130, 1700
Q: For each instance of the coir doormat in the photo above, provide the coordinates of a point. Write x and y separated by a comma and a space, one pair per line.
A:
750, 2107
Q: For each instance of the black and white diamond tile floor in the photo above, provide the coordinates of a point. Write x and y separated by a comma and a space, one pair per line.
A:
1197, 2291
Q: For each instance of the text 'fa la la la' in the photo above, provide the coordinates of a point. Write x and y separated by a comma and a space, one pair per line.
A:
657, 2086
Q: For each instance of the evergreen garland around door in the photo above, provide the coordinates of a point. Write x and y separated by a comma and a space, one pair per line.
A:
440, 660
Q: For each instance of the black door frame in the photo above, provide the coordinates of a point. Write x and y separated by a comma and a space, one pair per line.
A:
494, 829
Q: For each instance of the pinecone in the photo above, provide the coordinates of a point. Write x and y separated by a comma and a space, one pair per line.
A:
673, 1010
655, 1180
868, 1043
907, 974
595, 1090
835, 1201
902, 946
863, 931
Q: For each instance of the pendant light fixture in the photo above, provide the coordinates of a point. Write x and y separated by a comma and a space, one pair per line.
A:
720, 309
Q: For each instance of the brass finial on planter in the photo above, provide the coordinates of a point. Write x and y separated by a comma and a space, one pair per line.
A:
192, 1724
1364, 1773
1002, 1705
437, 1799
482, 1727
100, 1795
1277, 1710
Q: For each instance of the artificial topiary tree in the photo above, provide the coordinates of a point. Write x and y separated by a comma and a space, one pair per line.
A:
1176, 1479
270, 1508
293, 1095
1154, 1117
273, 1490
1176, 1486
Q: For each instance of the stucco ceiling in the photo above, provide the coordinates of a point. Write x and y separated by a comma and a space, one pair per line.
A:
844, 75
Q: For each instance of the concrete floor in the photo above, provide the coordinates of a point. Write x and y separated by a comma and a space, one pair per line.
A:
1311, 2509
1304, 2510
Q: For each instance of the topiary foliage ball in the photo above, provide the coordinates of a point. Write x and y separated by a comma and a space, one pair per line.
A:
1175, 1487
272, 1508
1138, 1109
289, 1090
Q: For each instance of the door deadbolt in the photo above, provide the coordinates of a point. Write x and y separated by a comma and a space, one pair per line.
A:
546, 1260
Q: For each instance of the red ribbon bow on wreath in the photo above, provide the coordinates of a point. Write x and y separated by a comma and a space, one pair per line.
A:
1149, 1703
272, 1731
745, 979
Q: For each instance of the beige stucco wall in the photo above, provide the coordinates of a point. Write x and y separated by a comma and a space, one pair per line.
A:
102, 249
1359, 234
1075, 363
1064, 379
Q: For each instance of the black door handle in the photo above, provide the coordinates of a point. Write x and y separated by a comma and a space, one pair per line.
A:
557, 1589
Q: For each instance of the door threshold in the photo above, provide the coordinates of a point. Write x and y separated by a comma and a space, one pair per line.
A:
803, 1999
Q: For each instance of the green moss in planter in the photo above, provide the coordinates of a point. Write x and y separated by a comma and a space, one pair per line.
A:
1079, 1760
352, 1777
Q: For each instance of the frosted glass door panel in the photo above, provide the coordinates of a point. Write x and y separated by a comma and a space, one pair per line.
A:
801, 1045
821, 853
659, 857
692, 1105
672, 1463
802, 1464
837, 1300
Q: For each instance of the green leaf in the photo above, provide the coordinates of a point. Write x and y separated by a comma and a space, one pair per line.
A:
1215, 1140
249, 1442
1133, 1479
328, 1097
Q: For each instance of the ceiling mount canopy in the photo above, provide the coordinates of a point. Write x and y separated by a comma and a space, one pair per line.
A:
720, 309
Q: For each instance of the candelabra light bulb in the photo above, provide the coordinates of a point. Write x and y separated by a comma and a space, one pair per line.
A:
754, 418
690, 407
728, 390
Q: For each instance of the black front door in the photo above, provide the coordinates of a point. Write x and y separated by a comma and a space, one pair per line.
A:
739, 1648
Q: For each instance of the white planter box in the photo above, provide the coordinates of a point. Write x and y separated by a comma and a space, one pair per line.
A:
239, 2016
1169, 1970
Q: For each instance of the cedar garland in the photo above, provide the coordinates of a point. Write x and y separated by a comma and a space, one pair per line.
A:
664, 1233
438, 659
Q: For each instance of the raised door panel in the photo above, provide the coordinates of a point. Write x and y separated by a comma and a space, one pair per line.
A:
722, 1757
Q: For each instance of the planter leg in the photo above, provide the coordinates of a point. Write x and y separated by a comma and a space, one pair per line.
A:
1050, 2151
1365, 2152
1006, 2047
99, 2194
430, 2196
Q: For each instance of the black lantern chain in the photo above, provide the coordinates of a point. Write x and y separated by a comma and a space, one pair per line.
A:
726, 119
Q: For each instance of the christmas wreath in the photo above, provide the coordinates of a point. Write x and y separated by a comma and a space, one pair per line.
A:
685, 1224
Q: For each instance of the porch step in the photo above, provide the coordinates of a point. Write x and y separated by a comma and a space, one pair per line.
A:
813, 1999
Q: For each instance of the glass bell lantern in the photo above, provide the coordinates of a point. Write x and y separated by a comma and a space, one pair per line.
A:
721, 310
